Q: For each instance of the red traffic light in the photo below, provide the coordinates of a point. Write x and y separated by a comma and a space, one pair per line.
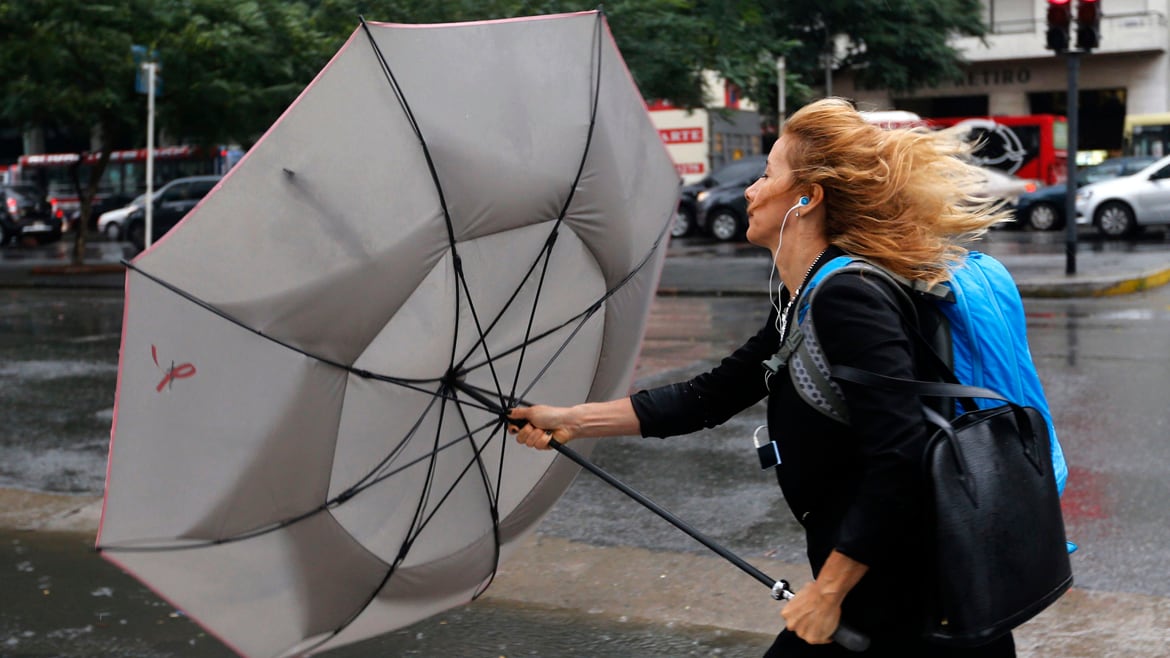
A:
1059, 21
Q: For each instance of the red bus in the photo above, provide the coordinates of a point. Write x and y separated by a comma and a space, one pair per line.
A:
1031, 146
123, 179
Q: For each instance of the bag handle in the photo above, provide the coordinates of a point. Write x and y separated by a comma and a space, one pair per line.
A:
1028, 437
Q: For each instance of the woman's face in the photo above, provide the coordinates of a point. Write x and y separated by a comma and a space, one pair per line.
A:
770, 198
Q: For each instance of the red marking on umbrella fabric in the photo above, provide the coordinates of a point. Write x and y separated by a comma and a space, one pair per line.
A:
181, 371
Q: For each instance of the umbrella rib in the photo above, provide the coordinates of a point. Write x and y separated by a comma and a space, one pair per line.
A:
475, 460
584, 315
546, 252
401, 96
332, 503
411, 383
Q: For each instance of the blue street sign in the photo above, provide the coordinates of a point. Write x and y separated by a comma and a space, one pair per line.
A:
141, 56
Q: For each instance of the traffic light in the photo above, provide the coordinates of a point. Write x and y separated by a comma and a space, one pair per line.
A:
1088, 24
1059, 21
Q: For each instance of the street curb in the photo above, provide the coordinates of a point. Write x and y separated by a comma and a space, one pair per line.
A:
66, 270
1096, 287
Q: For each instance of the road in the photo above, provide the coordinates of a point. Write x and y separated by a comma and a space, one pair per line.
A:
1105, 364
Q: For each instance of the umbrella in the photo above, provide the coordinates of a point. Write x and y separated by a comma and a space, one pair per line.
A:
308, 446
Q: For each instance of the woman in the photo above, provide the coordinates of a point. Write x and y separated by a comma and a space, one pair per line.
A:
833, 185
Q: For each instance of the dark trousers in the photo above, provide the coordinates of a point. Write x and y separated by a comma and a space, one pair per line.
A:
788, 645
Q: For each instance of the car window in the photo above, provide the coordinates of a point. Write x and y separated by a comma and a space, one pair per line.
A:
1164, 172
176, 192
1136, 165
1101, 172
199, 189
739, 171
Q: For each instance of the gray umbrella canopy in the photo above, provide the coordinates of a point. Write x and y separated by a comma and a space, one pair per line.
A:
307, 447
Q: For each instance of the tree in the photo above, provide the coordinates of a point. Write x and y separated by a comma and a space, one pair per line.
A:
64, 64
229, 69
897, 44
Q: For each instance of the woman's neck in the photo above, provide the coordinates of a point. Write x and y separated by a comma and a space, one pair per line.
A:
798, 263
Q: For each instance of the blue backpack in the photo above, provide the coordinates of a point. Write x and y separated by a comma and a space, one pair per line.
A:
988, 342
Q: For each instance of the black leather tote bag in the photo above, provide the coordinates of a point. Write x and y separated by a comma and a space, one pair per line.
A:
1000, 555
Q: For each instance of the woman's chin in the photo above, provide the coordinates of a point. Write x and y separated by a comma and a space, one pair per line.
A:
753, 236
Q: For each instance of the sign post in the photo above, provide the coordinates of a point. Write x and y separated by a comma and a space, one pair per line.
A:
146, 81
781, 75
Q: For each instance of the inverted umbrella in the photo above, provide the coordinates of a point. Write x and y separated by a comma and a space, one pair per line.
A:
308, 447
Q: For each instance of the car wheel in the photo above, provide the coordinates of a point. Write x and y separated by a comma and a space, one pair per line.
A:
113, 232
136, 234
1115, 219
1044, 217
725, 225
684, 223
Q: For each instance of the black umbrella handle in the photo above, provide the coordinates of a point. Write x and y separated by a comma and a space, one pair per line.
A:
844, 636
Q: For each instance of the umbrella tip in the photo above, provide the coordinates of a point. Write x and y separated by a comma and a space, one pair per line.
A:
288, 172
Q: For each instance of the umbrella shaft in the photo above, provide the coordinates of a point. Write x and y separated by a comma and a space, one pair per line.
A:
660, 511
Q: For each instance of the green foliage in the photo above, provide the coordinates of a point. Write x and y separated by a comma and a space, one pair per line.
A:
231, 67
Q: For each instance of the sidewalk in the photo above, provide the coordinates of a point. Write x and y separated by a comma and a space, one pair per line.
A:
698, 589
1098, 273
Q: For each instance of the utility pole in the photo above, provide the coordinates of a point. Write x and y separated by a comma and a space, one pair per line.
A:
1088, 20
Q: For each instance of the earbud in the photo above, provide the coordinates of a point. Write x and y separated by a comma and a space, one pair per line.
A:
803, 202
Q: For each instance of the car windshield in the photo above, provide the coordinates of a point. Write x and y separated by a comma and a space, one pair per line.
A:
1112, 169
739, 171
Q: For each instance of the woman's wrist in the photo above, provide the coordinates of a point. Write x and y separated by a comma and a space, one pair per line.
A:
594, 419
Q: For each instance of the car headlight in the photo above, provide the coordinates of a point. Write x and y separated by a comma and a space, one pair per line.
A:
703, 195
1084, 195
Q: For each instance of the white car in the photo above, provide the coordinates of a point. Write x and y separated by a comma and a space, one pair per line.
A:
111, 222
1119, 206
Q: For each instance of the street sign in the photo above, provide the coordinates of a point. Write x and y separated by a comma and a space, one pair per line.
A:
141, 57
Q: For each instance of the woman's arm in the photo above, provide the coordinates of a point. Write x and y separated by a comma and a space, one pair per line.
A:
860, 324
613, 418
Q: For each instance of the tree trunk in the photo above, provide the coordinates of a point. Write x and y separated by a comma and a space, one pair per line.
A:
85, 196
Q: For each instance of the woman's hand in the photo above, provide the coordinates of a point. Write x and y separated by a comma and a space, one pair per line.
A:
812, 615
815, 612
544, 423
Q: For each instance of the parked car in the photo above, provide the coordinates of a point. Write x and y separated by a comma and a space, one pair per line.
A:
1118, 207
171, 203
111, 222
1043, 210
721, 209
747, 168
25, 212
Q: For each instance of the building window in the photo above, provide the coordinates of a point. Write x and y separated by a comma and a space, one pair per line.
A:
1010, 16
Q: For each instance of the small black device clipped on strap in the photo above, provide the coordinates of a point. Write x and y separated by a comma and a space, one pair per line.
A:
769, 452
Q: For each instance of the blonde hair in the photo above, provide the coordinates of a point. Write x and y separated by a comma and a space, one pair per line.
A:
905, 198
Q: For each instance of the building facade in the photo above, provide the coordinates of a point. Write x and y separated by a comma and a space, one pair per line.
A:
1012, 73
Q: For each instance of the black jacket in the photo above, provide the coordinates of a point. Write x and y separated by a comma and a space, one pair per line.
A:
856, 488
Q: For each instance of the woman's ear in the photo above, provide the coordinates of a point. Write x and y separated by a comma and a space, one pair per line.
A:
815, 196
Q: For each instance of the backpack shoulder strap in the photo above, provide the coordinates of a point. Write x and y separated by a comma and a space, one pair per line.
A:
809, 369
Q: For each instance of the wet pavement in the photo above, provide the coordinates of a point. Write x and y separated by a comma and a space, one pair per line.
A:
612, 579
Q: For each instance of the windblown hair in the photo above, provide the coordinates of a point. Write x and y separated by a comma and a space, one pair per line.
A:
908, 199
